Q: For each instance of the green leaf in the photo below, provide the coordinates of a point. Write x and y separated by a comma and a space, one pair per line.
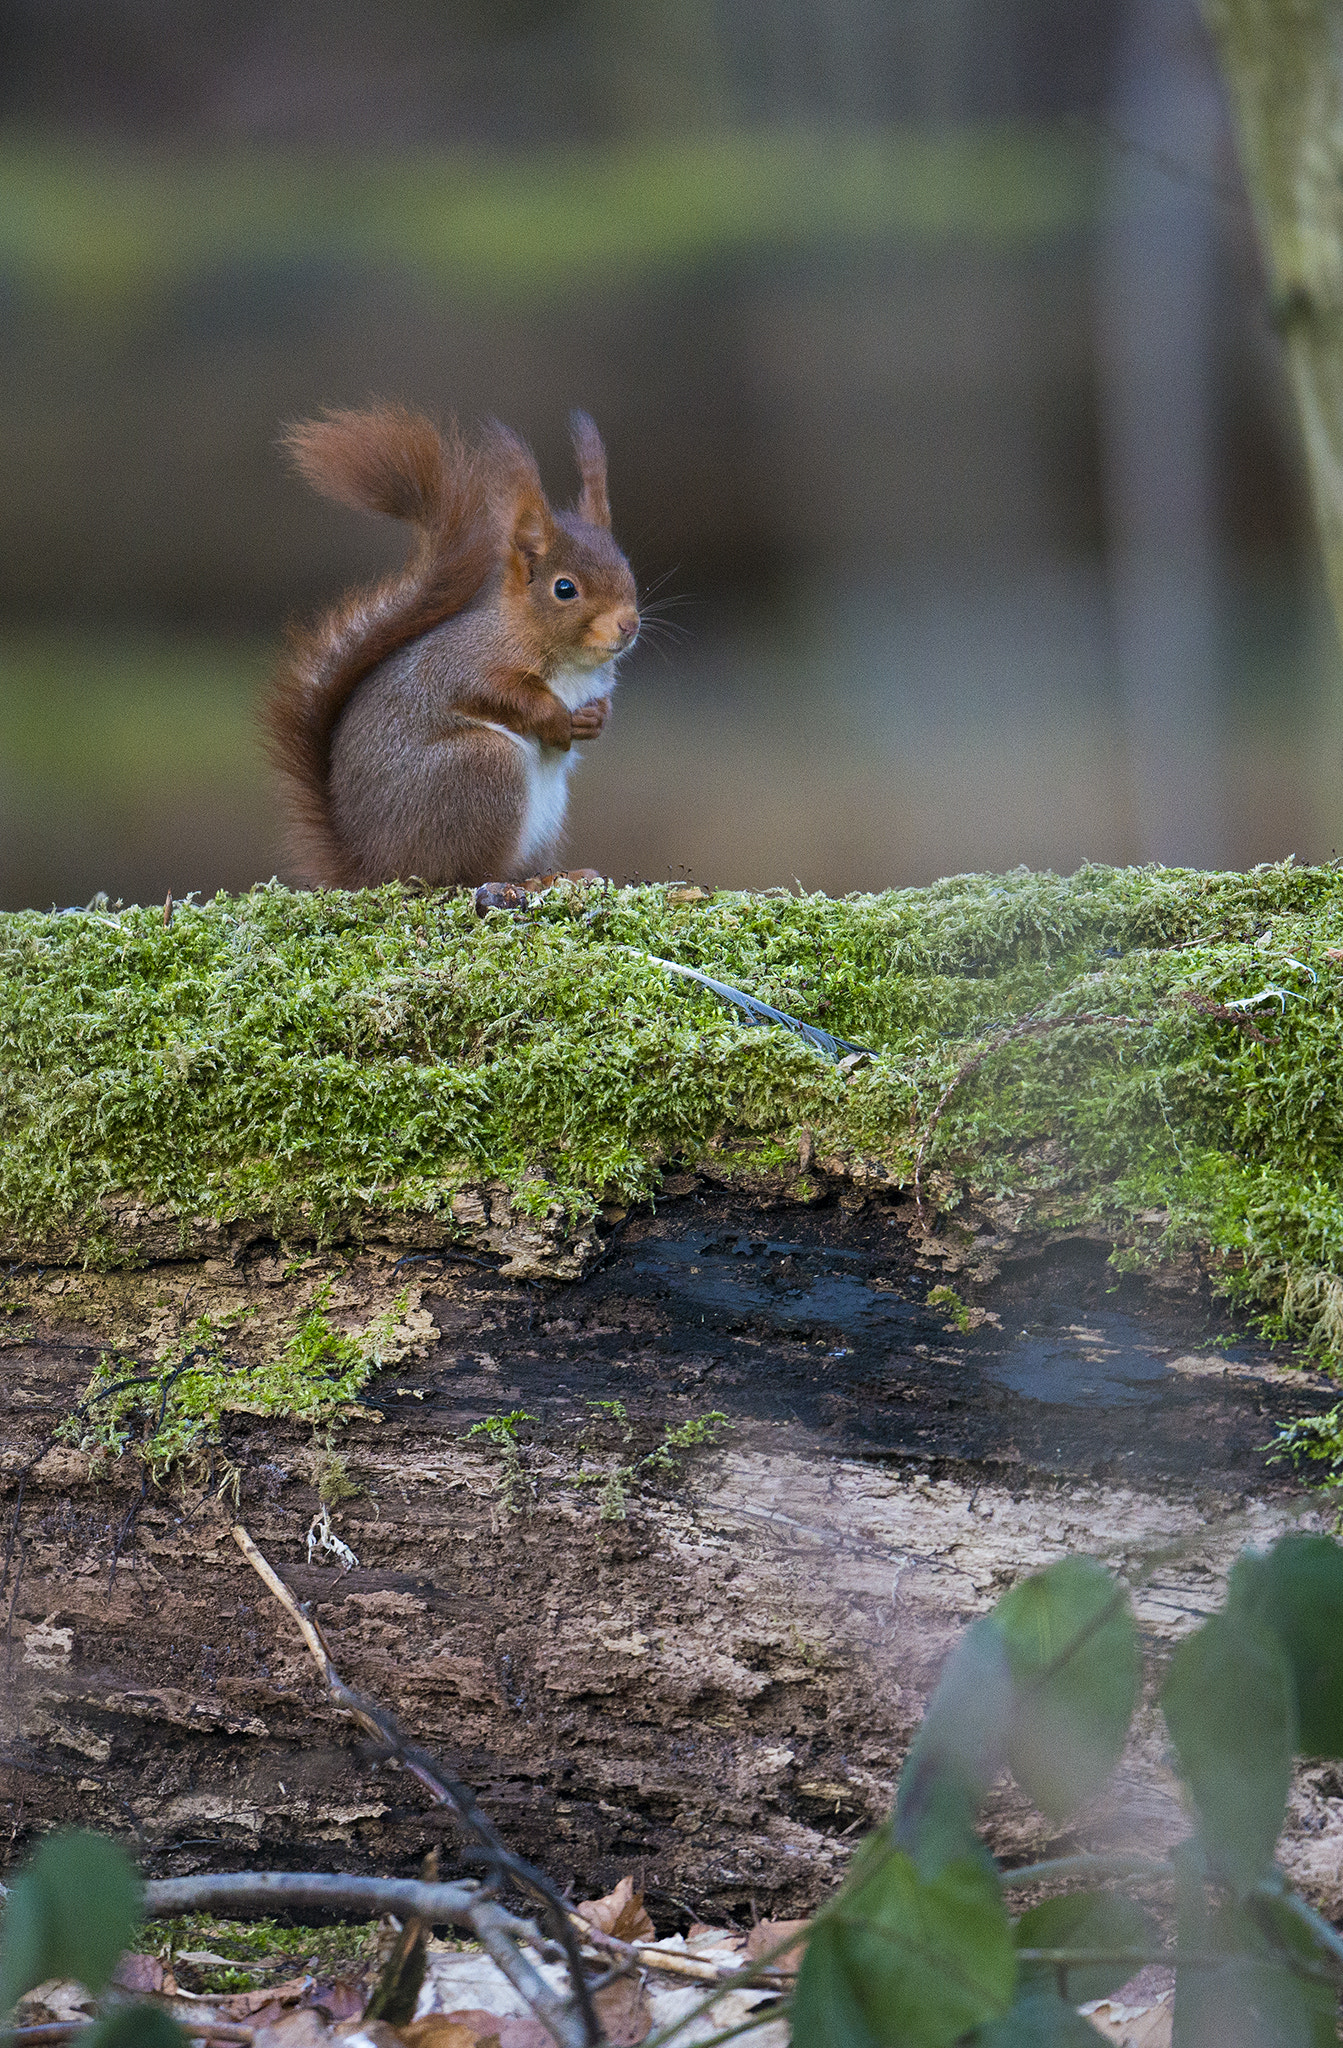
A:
135, 2026
828, 2011
1073, 1654
1255, 1994
1038, 2020
1251, 2003
1297, 1593
1291, 1939
1094, 1920
71, 1914
956, 1754
899, 1959
23, 1944
1229, 1705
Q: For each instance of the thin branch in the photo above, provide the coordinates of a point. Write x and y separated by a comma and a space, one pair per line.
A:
262, 1894
1084, 1866
490, 1925
747, 1979
575, 2026
194, 2025
1328, 1936
1027, 1028
643, 1955
763, 2016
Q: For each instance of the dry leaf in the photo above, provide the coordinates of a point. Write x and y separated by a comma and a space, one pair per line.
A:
517, 2032
303, 2028
446, 2030
57, 2000
721, 1936
344, 1999
471, 2027
1130, 2026
624, 2012
139, 1973
620, 1913
767, 1934
264, 2006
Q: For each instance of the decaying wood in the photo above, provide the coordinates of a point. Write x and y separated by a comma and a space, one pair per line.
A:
708, 1683
573, 2022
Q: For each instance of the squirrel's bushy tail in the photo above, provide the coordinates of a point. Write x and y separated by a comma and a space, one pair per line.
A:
384, 459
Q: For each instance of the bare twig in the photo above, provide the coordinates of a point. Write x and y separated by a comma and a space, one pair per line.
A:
70, 2030
674, 1962
573, 2025
1225, 1013
1029, 1027
1057, 1867
759, 1975
198, 2029
261, 1894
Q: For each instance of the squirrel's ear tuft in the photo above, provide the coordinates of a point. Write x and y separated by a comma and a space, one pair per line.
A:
593, 504
531, 533
533, 528
526, 521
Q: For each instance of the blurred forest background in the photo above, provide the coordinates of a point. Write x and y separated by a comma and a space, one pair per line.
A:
930, 345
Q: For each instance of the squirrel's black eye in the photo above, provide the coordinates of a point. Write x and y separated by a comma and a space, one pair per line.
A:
564, 589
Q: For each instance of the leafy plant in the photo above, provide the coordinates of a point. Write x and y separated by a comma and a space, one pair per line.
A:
662, 1462
501, 1430
501, 1433
71, 1913
947, 1298
918, 1947
171, 1417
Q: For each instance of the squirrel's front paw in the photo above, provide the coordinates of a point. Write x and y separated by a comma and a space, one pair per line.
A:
590, 718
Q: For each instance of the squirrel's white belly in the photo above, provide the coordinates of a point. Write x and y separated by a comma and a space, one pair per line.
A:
548, 768
547, 796
547, 799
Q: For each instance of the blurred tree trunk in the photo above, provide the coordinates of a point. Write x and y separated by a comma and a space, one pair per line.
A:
1283, 62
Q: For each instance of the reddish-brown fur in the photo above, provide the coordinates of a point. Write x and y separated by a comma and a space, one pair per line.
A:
385, 716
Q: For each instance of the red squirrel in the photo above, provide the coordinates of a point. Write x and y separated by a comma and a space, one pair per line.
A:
424, 726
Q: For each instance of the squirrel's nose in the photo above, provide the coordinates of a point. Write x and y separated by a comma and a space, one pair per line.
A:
627, 623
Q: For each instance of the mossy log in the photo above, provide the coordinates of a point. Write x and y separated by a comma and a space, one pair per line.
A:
673, 1436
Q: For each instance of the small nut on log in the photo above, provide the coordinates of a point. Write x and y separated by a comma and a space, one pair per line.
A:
537, 883
499, 896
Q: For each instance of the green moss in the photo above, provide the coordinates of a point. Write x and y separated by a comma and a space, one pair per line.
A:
256, 1953
172, 1416
303, 1059
947, 1298
664, 1462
